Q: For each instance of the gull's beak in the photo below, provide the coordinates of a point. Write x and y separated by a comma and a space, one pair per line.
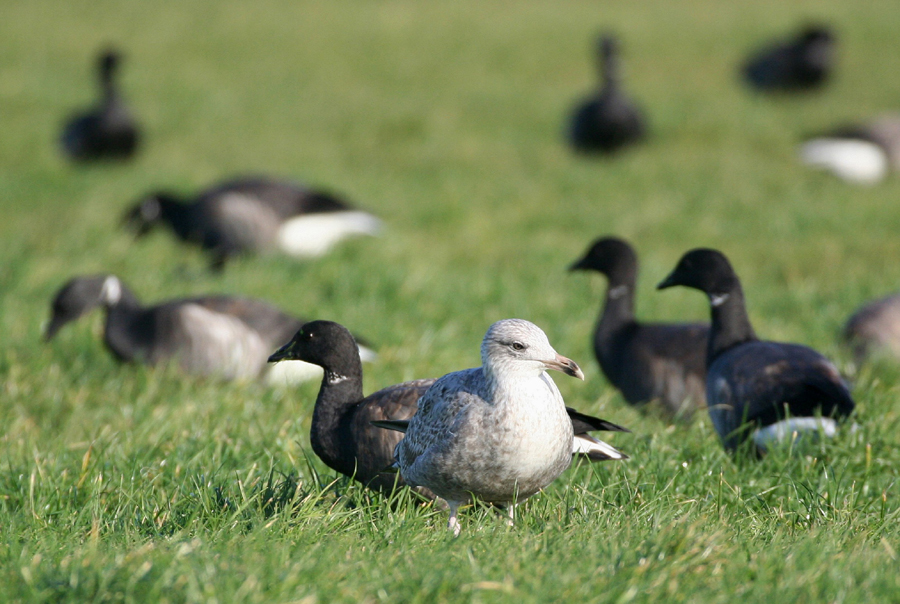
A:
283, 353
567, 366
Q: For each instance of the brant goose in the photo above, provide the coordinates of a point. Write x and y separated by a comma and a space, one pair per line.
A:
862, 153
499, 432
646, 361
224, 336
801, 63
874, 329
346, 426
769, 388
107, 131
253, 215
608, 120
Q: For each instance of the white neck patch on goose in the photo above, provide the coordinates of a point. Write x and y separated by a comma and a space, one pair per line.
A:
111, 292
336, 378
718, 299
618, 291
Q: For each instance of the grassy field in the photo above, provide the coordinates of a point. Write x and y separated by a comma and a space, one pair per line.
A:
124, 484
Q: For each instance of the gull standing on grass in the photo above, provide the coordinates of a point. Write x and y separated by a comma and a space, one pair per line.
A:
499, 432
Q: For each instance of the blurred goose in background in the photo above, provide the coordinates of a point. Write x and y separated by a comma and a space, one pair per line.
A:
228, 337
862, 153
346, 431
256, 214
499, 432
756, 389
646, 361
874, 329
107, 131
608, 120
804, 62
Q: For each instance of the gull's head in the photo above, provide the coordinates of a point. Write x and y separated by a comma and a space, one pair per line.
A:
521, 346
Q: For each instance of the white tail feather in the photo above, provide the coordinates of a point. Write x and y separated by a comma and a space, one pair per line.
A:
315, 234
585, 444
855, 161
786, 428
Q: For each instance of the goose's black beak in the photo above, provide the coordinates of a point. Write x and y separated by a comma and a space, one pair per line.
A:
283, 353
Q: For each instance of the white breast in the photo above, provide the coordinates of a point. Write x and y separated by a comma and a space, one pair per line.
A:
539, 430
315, 234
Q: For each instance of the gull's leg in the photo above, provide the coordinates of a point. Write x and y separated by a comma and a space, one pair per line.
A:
511, 510
453, 524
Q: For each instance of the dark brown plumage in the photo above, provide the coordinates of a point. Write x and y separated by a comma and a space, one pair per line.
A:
803, 62
254, 215
752, 385
107, 131
224, 336
646, 361
607, 120
342, 434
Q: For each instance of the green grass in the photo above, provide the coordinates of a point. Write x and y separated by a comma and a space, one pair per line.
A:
121, 483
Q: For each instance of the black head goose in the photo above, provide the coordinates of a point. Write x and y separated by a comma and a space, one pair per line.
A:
499, 432
802, 63
346, 426
224, 336
107, 131
874, 329
255, 214
862, 153
757, 389
608, 120
646, 361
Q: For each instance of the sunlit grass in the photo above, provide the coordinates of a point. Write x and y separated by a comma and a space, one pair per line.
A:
122, 483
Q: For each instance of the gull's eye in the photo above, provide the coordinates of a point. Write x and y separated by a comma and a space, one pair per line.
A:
518, 346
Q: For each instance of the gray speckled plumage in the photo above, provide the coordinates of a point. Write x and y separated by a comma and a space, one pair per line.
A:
501, 431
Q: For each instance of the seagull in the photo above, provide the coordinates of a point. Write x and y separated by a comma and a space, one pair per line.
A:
499, 432
346, 426
754, 388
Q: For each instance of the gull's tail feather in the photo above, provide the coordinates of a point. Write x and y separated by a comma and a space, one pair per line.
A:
585, 445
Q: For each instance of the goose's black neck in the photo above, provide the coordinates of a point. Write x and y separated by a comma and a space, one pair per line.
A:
609, 65
129, 331
180, 216
341, 390
618, 309
730, 323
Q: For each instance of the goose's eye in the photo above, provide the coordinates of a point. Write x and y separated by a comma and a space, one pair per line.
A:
518, 346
